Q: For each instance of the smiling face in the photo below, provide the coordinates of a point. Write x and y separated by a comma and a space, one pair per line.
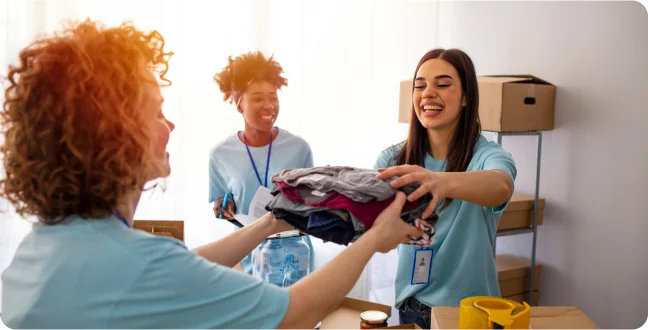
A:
438, 95
260, 105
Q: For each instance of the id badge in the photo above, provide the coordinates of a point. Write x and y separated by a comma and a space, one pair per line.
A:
422, 266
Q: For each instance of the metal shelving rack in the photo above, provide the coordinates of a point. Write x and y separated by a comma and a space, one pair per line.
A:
534, 228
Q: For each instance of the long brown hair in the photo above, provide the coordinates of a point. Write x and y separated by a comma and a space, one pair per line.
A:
468, 129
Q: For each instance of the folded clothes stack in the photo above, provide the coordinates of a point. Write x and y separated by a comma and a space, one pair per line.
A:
339, 203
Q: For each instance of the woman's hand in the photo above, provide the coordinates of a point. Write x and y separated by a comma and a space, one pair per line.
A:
228, 213
430, 182
390, 229
275, 225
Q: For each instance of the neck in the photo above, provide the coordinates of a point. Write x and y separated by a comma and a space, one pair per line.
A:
257, 138
128, 204
440, 143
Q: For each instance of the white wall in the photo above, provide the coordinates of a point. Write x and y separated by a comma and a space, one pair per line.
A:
595, 163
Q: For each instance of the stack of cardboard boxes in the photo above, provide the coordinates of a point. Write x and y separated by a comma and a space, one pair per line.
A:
513, 275
513, 271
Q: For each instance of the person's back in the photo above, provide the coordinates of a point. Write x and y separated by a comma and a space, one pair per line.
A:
98, 273
73, 274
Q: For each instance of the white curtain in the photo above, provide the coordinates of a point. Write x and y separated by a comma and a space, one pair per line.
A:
343, 60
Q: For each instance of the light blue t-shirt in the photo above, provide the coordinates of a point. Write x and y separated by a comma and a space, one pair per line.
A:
463, 263
98, 273
230, 170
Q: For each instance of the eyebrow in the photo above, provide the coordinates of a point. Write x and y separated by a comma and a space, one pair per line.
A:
441, 76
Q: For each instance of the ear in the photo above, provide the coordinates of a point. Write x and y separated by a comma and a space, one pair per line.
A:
463, 101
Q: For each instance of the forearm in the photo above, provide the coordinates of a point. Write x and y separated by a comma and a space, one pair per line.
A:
318, 294
230, 250
487, 187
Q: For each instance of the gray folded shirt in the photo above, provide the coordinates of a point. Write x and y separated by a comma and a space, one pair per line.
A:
361, 185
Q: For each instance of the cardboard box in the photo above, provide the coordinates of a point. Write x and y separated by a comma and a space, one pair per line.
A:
568, 317
516, 103
405, 101
168, 228
519, 212
525, 297
347, 316
513, 274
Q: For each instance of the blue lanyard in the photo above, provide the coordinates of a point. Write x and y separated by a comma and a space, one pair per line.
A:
121, 217
254, 165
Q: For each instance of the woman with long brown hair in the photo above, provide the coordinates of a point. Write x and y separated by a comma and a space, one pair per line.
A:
470, 179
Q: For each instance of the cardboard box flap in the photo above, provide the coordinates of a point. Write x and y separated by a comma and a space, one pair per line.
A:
500, 80
514, 78
444, 318
347, 316
567, 317
521, 201
510, 266
363, 305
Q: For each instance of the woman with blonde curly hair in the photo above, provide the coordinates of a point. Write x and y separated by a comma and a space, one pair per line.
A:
83, 132
248, 159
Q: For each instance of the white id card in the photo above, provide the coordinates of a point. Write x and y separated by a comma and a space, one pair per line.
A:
422, 266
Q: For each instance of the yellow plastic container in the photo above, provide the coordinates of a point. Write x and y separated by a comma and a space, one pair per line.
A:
493, 313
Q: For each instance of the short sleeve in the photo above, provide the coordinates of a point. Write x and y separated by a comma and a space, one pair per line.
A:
497, 158
217, 184
385, 159
308, 162
179, 289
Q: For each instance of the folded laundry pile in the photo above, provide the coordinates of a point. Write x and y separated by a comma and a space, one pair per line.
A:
339, 203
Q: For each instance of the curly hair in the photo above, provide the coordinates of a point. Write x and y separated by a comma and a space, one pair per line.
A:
240, 71
75, 137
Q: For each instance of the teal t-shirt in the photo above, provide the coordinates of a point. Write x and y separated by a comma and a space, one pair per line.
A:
463, 263
230, 170
98, 273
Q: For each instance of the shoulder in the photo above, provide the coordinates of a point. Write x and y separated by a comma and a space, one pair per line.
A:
292, 139
224, 145
484, 149
491, 155
139, 245
148, 245
386, 157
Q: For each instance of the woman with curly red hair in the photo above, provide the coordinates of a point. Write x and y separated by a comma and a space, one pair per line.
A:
83, 132
249, 158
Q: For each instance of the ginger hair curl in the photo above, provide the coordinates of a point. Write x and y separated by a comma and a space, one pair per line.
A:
77, 135
240, 71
